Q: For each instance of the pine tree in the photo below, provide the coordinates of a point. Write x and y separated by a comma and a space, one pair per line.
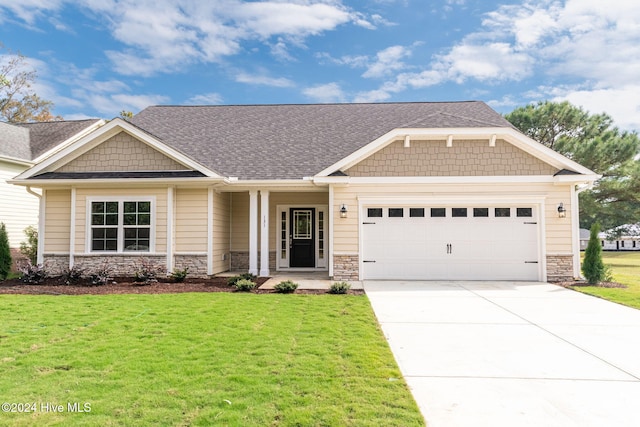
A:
5, 253
592, 266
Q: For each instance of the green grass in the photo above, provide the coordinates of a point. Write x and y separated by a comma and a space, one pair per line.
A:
626, 270
200, 360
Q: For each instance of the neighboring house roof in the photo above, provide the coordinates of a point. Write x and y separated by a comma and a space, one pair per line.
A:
585, 234
14, 142
28, 142
294, 141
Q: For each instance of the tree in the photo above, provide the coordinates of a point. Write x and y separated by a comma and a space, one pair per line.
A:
592, 267
593, 141
30, 247
5, 252
18, 102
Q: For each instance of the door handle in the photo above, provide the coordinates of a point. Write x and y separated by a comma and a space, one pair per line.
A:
449, 248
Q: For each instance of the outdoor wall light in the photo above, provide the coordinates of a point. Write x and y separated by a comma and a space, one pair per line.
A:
562, 212
343, 211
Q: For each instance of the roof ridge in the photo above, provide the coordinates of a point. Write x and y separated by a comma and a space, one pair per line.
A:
310, 104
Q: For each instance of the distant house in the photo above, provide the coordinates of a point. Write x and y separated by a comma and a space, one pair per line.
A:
21, 146
623, 238
410, 191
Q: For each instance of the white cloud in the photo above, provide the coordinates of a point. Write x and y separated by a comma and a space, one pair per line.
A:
326, 93
29, 10
377, 95
387, 61
263, 80
205, 99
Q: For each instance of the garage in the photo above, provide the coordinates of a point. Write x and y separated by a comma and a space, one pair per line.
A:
450, 242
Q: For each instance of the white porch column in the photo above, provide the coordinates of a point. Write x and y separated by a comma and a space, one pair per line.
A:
72, 228
170, 227
253, 232
210, 213
264, 233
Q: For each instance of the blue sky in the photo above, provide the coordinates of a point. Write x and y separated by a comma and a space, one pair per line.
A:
95, 58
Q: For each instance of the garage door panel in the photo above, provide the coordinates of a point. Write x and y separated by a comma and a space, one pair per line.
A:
452, 248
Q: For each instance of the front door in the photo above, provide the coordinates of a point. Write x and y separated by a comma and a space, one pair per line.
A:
302, 238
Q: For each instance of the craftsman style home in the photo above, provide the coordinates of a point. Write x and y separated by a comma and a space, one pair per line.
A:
430, 191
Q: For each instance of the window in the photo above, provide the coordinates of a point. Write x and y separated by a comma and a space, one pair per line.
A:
458, 212
622, 243
396, 212
438, 212
374, 212
481, 212
524, 212
416, 212
503, 212
120, 226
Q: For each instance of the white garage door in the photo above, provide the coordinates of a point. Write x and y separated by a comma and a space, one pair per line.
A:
450, 243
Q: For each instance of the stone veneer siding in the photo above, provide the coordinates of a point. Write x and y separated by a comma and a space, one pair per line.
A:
240, 261
122, 152
56, 265
197, 265
120, 265
345, 267
463, 158
559, 268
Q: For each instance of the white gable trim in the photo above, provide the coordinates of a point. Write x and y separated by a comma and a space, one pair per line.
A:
510, 135
93, 139
86, 131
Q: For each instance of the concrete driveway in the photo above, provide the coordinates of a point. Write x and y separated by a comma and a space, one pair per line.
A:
512, 354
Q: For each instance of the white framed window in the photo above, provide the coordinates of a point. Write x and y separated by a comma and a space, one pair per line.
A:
121, 224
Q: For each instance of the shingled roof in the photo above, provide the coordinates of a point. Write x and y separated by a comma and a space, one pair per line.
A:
44, 136
14, 142
294, 141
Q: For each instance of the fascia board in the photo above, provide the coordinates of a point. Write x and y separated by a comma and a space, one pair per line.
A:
379, 180
100, 135
16, 161
511, 135
129, 182
71, 140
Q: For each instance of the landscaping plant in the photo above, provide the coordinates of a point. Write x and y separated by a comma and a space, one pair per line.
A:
286, 287
148, 271
32, 274
179, 275
593, 267
101, 275
244, 285
339, 288
30, 248
5, 253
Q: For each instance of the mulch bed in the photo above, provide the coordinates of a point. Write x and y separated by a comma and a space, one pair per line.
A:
54, 286
599, 285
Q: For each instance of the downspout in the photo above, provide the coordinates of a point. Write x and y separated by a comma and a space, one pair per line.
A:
41, 219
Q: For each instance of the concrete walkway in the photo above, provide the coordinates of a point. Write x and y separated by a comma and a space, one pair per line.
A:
315, 280
512, 354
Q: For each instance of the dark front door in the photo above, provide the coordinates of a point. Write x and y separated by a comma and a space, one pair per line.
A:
302, 252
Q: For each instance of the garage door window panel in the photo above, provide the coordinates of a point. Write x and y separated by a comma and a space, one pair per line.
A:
416, 212
502, 212
481, 212
459, 212
524, 212
438, 212
374, 212
396, 212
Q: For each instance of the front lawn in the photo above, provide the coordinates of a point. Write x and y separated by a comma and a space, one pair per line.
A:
199, 359
626, 270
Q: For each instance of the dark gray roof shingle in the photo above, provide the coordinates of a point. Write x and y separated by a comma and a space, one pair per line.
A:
46, 135
14, 142
294, 141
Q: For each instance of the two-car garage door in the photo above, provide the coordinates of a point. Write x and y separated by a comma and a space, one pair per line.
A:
450, 243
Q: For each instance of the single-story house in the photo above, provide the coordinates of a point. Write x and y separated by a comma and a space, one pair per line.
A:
622, 238
21, 146
431, 191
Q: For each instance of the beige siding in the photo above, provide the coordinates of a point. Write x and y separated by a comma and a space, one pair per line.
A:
464, 158
57, 221
557, 230
121, 152
221, 222
191, 220
18, 208
160, 195
240, 221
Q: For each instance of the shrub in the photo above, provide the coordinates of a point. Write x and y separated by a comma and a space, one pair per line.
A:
592, 267
30, 248
32, 274
102, 275
148, 271
244, 285
286, 287
231, 281
72, 276
339, 288
5, 252
179, 275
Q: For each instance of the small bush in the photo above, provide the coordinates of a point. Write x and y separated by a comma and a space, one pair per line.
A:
592, 266
148, 272
231, 281
339, 288
72, 276
5, 252
32, 274
30, 248
102, 275
179, 275
244, 285
286, 287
